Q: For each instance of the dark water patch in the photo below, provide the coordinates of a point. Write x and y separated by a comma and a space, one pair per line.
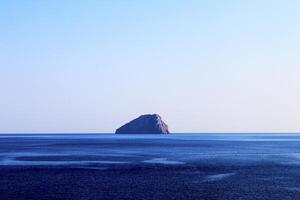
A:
147, 182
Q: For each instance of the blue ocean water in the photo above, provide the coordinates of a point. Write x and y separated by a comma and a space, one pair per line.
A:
85, 149
176, 166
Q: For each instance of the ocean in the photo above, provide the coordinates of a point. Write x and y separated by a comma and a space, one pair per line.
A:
150, 167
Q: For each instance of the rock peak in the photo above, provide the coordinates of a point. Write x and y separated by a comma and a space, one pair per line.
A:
145, 124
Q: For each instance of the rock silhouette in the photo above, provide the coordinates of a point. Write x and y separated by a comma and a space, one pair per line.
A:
145, 124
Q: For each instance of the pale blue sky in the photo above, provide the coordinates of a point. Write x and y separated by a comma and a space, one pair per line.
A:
90, 66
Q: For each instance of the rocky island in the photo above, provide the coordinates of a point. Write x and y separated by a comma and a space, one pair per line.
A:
145, 124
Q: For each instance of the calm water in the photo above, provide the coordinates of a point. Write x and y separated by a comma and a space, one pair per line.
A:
178, 166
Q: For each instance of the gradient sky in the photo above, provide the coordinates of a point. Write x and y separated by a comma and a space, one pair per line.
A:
90, 66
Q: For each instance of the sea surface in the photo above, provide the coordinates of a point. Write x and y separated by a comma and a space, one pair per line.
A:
151, 167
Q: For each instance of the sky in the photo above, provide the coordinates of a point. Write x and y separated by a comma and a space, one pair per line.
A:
204, 66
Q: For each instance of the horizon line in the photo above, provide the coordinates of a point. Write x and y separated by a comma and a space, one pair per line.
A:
200, 132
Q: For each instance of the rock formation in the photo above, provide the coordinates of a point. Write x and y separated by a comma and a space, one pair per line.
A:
145, 124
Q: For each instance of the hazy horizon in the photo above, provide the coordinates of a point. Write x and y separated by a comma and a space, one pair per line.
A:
204, 66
